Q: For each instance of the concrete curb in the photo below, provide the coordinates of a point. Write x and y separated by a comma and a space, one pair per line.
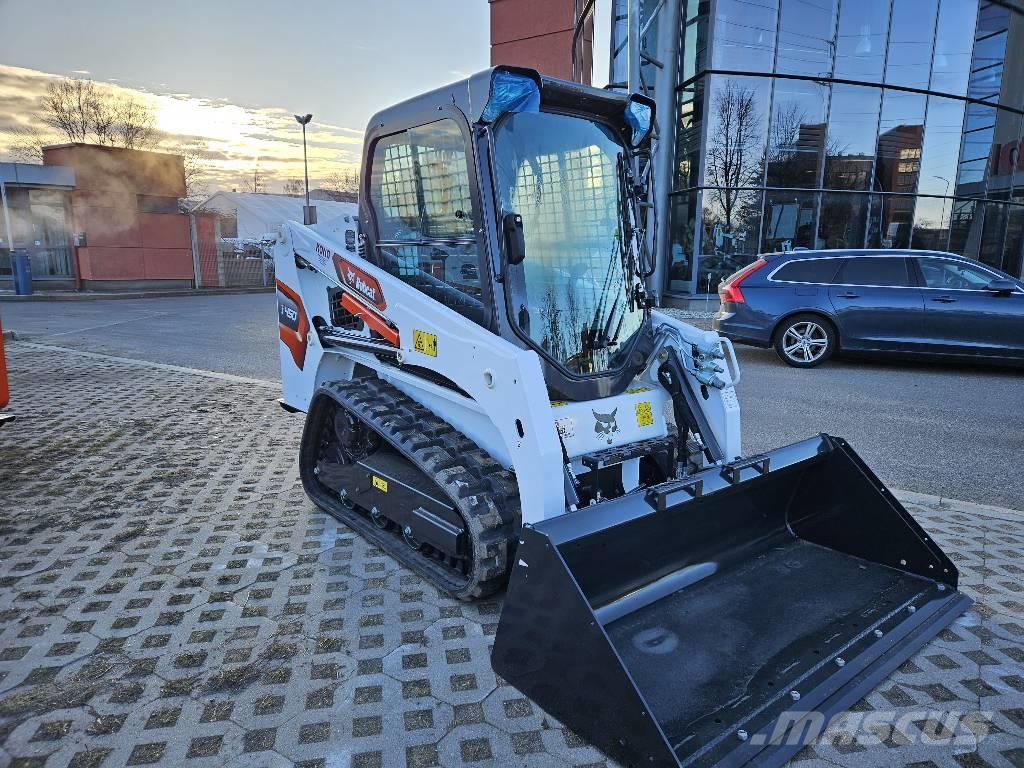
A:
942, 502
72, 296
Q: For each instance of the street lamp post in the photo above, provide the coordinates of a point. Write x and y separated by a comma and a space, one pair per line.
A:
942, 216
308, 211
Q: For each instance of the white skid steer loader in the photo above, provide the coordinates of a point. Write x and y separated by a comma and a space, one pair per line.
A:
486, 388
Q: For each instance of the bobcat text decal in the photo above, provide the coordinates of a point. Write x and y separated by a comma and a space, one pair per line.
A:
354, 278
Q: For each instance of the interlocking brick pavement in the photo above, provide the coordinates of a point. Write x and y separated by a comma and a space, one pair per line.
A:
170, 597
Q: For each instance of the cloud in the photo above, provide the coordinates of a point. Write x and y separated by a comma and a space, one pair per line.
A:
230, 139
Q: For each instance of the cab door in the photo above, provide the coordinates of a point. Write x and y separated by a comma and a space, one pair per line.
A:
877, 304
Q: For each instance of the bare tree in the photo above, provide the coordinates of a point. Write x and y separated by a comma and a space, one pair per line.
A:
254, 184
294, 187
196, 187
79, 111
132, 124
344, 183
735, 154
28, 143
69, 108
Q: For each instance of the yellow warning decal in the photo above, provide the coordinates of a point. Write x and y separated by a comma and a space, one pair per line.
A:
424, 343
557, 403
644, 414
380, 484
637, 390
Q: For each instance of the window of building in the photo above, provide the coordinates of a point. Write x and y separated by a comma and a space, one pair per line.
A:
789, 220
688, 138
860, 45
843, 220
900, 133
419, 189
990, 251
954, 41
807, 30
979, 125
737, 131
852, 130
965, 225
931, 223
796, 138
156, 204
911, 40
744, 35
891, 221
821, 271
40, 226
882, 271
940, 149
1013, 246
681, 251
729, 226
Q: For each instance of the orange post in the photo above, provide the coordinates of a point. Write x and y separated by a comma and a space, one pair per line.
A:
5, 394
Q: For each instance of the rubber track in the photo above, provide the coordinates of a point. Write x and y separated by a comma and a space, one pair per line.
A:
484, 492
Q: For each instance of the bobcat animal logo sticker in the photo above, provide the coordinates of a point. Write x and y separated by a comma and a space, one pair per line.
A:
605, 424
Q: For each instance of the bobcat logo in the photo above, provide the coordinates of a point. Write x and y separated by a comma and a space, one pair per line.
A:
605, 424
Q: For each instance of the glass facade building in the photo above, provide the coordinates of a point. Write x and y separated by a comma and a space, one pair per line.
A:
844, 124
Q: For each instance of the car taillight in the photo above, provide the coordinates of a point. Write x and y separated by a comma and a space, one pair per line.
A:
729, 289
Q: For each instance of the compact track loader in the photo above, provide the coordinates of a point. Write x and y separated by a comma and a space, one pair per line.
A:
487, 390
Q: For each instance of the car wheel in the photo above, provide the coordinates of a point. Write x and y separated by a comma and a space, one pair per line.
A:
805, 341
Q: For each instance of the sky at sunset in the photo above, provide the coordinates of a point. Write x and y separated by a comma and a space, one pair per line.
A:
225, 77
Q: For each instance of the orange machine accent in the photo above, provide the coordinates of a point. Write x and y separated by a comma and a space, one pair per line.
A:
292, 330
371, 318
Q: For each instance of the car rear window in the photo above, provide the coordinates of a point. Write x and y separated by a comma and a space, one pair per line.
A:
889, 271
808, 271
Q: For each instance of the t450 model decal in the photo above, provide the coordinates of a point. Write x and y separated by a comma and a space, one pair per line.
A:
293, 324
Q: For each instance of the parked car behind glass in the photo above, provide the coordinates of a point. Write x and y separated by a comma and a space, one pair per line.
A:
811, 304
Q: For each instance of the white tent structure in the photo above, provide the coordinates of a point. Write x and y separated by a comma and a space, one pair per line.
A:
259, 214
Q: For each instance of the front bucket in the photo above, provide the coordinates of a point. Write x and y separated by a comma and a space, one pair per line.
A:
722, 619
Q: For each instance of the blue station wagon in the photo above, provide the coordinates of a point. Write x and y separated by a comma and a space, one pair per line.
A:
812, 304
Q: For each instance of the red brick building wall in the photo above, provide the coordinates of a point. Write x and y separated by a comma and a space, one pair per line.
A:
125, 201
538, 34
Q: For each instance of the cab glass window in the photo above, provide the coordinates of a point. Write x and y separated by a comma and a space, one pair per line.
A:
420, 192
875, 271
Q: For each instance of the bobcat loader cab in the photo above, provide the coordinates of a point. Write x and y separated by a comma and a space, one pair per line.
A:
486, 389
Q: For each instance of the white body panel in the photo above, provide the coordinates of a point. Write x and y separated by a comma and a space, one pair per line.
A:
507, 411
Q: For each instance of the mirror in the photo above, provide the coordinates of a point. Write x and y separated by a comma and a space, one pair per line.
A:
515, 243
1001, 287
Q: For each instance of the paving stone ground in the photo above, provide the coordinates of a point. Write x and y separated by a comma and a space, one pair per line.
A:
168, 596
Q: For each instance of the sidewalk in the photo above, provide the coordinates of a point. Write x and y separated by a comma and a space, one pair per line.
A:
170, 597
97, 296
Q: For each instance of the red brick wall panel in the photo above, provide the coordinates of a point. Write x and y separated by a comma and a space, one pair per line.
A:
547, 54
115, 264
164, 230
518, 19
167, 263
108, 226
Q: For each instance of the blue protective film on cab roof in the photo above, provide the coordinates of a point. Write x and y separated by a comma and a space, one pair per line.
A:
638, 117
511, 93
